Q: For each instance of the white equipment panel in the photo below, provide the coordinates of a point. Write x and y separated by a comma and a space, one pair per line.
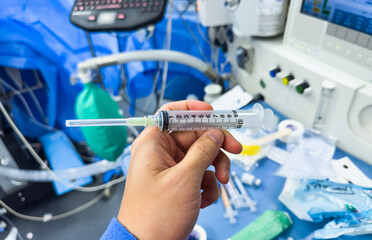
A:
349, 114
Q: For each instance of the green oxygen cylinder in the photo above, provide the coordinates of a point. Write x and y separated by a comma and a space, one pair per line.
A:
95, 103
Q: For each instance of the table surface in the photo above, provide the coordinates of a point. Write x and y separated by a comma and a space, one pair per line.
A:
266, 195
92, 222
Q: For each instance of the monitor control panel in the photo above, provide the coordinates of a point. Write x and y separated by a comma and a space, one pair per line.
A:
116, 15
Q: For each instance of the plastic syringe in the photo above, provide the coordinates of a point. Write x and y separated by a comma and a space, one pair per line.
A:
247, 200
185, 120
230, 212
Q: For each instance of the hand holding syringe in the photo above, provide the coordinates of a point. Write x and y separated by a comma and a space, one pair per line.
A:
252, 119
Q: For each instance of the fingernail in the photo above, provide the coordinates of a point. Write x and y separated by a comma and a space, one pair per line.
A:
216, 136
227, 173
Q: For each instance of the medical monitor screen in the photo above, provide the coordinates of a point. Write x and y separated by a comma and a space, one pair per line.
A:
353, 14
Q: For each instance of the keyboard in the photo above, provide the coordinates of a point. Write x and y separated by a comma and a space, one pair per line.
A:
116, 15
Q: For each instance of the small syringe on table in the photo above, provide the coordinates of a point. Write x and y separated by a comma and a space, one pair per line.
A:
235, 198
230, 212
248, 202
252, 119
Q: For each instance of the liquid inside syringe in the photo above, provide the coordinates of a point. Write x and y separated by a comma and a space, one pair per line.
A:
184, 120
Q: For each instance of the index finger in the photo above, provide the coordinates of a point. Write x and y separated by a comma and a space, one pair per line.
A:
186, 105
185, 139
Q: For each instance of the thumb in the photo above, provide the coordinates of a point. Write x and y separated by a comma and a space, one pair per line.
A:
202, 153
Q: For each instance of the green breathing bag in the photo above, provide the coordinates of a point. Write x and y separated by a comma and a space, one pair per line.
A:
107, 142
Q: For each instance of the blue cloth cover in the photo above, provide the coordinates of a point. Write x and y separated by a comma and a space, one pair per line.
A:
116, 231
182, 80
38, 35
62, 155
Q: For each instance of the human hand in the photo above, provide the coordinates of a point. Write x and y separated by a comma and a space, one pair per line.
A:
168, 181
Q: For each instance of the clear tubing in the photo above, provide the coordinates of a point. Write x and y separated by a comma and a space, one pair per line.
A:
71, 173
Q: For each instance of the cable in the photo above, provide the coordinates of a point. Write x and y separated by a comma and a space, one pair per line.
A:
191, 33
123, 76
134, 131
34, 98
224, 64
216, 56
41, 162
148, 101
48, 217
205, 39
98, 75
25, 104
141, 110
168, 46
90, 44
7, 220
34, 120
32, 152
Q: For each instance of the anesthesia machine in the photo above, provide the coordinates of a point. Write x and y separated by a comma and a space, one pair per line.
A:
319, 72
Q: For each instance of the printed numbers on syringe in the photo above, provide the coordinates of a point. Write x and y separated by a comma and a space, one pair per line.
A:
202, 121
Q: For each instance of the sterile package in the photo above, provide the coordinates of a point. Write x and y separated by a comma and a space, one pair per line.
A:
316, 200
352, 224
251, 154
309, 158
247, 160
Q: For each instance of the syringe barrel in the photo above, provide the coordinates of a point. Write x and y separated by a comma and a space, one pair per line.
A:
204, 120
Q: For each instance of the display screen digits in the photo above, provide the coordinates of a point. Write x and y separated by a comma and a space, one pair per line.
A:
353, 14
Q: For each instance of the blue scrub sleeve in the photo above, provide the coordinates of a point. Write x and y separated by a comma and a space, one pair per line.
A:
116, 231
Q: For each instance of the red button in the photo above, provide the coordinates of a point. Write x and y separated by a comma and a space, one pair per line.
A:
92, 18
121, 16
